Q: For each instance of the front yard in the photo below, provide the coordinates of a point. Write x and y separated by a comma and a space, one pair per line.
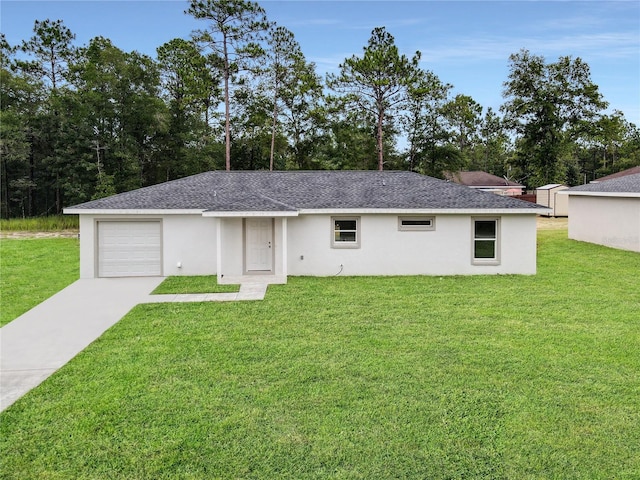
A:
33, 269
396, 377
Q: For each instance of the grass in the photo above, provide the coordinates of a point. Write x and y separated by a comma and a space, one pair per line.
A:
51, 223
31, 270
401, 377
194, 284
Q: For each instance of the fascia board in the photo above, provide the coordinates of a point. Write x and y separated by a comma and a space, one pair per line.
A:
250, 214
601, 194
425, 211
130, 211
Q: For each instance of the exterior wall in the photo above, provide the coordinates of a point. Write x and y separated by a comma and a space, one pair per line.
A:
542, 197
186, 239
385, 250
561, 203
190, 240
302, 246
610, 221
549, 197
232, 241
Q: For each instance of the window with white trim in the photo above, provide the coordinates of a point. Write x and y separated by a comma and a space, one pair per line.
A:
486, 241
416, 224
346, 232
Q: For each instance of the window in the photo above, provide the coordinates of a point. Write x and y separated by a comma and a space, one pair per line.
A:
416, 224
486, 244
345, 232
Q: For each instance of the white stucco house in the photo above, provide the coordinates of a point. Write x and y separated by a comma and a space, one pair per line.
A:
606, 212
319, 223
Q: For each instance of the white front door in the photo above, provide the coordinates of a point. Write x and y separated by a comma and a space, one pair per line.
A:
259, 244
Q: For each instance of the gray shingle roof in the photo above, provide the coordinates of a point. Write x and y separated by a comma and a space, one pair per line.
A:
293, 190
625, 184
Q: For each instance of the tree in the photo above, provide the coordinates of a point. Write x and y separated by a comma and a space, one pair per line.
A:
295, 90
493, 150
549, 106
463, 115
424, 123
19, 100
377, 82
235, 28
52, 49
120, 113
190, 93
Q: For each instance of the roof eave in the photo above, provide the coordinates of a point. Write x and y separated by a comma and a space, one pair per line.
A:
132, 211
425, 211
586, 193
249, 213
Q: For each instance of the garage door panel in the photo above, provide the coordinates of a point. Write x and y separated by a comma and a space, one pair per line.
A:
128, 249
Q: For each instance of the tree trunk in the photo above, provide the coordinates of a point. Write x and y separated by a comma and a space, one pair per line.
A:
32, 174
227, 126
6, 213
273, 127
380, 149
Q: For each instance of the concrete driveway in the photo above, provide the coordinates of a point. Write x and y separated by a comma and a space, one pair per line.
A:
42, 340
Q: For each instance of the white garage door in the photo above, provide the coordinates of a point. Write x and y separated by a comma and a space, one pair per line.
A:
129, 249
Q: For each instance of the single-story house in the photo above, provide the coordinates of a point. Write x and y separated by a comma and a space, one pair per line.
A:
486, 182
606, 212
318, 223
547, 196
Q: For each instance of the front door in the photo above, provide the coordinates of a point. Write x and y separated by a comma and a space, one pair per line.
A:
258, 244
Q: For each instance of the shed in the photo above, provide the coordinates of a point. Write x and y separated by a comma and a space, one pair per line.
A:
547, 197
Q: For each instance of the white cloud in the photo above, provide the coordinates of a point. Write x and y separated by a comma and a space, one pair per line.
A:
596, 45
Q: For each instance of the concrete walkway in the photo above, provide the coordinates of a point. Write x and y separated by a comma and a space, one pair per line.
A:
42, 340
248, 291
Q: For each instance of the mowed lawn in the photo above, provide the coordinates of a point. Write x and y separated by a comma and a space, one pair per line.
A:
403, 377
33, 269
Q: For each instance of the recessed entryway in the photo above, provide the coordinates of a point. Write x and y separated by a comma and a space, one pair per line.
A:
258, 245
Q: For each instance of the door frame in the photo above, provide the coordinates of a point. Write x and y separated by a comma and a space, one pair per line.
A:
246, 245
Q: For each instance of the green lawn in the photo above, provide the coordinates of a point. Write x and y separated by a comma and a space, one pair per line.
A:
402, 377
195, 284
31, 270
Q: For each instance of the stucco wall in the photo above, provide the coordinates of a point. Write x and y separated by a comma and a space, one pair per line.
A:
610, 221
191, 240
232, 243
188, 239
385, 250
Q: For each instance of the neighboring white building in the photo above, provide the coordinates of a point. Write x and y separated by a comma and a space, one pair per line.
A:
606, 212
547, 196
318, 223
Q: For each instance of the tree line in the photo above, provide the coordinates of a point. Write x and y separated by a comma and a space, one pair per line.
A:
83, 122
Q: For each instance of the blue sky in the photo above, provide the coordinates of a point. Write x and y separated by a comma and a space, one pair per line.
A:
465, 43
